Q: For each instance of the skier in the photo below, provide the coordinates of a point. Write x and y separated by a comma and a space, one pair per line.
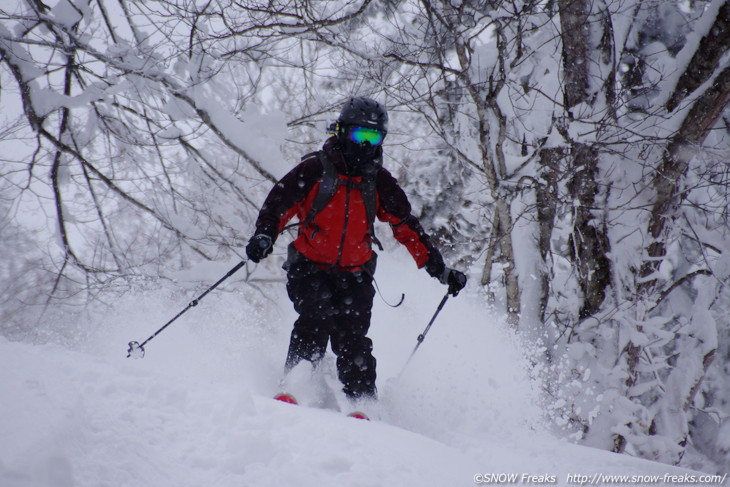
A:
336, 193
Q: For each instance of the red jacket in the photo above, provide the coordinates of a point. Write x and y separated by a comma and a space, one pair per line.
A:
339, 235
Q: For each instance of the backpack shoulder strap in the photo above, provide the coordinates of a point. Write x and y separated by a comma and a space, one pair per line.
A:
327, 186
369, 197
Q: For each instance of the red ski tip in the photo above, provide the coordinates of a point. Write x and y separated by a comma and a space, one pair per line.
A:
285, 397
358, 415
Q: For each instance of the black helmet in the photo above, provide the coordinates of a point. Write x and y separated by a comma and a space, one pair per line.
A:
364, 112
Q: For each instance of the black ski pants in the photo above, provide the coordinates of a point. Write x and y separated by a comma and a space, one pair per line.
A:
334, 306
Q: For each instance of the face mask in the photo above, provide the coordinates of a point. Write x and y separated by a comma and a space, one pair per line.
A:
362, 147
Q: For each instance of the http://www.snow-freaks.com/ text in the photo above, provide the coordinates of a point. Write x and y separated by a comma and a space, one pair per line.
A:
599, 479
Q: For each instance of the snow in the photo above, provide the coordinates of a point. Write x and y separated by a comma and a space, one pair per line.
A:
197, 410
67, 13
683, 58
260, 135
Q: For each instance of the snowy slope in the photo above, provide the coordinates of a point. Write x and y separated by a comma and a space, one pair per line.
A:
196, 411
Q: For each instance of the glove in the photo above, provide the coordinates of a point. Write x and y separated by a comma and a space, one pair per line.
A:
454, 279
259, 246
451, 277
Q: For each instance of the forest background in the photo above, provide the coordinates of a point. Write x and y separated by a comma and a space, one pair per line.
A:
571, 155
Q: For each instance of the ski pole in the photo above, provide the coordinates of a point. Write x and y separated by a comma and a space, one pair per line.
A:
422, 336
136, 350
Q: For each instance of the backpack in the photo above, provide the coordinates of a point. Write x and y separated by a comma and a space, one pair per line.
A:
328, 188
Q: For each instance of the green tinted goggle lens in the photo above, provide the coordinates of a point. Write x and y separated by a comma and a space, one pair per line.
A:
360, 135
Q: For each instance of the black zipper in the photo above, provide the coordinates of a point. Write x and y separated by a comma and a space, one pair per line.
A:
348, 187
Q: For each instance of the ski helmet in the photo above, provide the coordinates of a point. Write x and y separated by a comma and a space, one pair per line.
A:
364, 112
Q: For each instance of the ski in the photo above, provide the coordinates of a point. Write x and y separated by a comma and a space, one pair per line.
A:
290, 399
358, 415
286, 397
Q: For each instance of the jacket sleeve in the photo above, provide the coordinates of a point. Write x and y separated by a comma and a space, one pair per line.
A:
286, 196
395, 209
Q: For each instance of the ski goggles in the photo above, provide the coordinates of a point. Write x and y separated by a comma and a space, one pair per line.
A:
360, 135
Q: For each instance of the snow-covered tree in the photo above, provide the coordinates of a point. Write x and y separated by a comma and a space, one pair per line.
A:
140, 136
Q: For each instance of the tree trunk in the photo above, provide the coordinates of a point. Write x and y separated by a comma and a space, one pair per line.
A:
668, 180
712, 47
574, 26
547, 202
589, 243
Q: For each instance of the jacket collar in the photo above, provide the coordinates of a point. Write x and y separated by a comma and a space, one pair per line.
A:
334, 153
